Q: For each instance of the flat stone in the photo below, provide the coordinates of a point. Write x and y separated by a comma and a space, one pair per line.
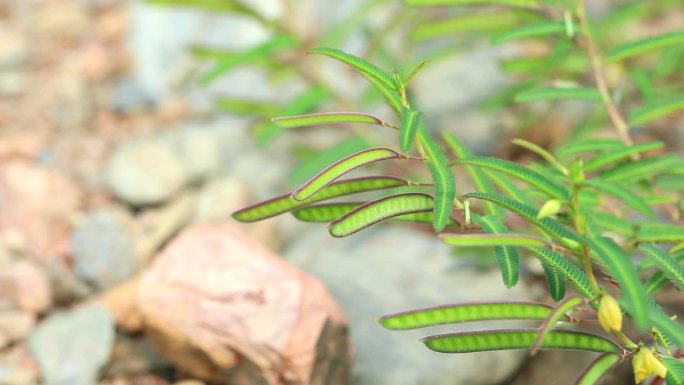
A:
392, 268
234, 311
71, 347
25, 286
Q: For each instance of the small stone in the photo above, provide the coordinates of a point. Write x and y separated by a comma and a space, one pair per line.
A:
130, 97
71, 347
61, 20
219, 198
103, 250
122, 302
15, 325
13, 83
198, 151
25, 286
235, 311
28, 205
94, 62
13, 49
17, 367
145, 171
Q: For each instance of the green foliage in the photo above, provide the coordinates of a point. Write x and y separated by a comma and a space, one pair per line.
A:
603, 197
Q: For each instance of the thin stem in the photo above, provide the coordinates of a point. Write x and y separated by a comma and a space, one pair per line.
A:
620, 124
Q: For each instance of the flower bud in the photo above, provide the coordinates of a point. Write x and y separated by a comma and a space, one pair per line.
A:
551, 207
609, 314
646, 364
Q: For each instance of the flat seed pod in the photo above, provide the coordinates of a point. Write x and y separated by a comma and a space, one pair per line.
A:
341, 167
378, 211
328, 117
284, 203
517, 339
600, 366
555, 315
328, 212
464, 312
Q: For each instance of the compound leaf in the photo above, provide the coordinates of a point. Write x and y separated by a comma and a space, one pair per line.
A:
506, 256
576, 93
445, 184
645, 45
409, 123
656, 109
620, 267
619, 154
570, 272
623, 194
512, 3
666, 263
520, 172
642, 169
538, 29
555, 282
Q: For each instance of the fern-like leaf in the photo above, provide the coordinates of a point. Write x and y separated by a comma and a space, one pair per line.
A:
520, 172
506, 256
555, 282
445, 184
543, 28
623, 194
645, 45
570, 272
620, 267
656, 232
577, 93
667, 264
614, 156
409, 123
642, 169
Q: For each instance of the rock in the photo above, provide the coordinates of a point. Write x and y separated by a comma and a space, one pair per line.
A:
25, 286
130, 97
135, 355
219, 198
122, 302
145, 171
13, 83
14, 326
223, 308
65, 20
17, 367
13, 49
28, 206
390, 269
103, 248
198, 151
152, 169
71, 347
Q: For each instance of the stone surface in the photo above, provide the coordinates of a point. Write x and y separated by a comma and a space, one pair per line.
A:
393, 268
224, 308
17, 367
71, 347
25, 286
28, 206
14, 326
145, 171
103, 248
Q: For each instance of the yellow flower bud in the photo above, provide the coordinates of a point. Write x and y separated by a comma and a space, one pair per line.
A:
551, 207
646, 364
609, 314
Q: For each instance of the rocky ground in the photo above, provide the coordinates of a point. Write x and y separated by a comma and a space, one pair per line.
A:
119, 263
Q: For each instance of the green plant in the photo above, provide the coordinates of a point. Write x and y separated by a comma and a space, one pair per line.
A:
588, 208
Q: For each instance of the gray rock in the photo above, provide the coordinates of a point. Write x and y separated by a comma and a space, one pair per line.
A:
145, 171
71, 347
103, 250
390, 269
129, 97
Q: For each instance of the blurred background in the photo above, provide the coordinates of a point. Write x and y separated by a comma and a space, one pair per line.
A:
131, 130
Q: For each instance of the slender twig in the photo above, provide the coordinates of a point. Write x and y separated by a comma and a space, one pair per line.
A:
618, 121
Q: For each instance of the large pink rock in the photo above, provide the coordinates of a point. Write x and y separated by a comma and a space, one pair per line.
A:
38, 203
224, 308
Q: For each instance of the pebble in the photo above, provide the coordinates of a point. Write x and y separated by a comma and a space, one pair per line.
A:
103, 250
145, 171
71, 347
25, 286
14, 326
